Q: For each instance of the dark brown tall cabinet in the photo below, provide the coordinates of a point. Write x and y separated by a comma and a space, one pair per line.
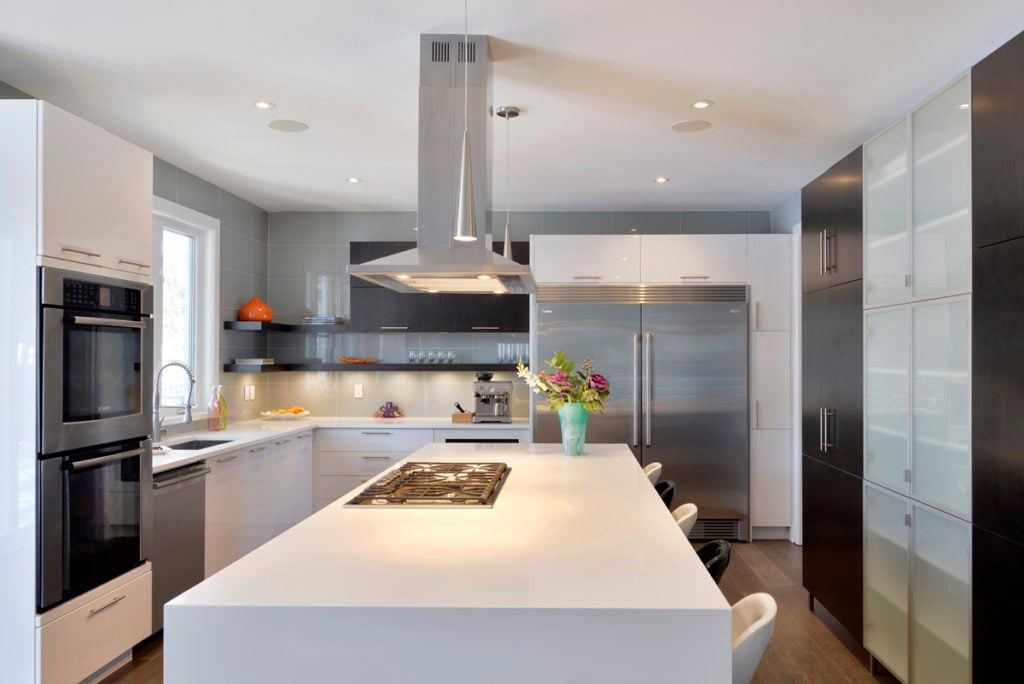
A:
997, 431
832, 403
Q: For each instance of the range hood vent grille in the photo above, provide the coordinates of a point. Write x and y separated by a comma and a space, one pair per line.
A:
440, 52
472, 52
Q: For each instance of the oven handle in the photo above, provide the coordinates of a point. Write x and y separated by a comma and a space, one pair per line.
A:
120, 456
115, 322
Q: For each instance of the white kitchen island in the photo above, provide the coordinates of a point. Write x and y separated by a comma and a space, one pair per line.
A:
577, 574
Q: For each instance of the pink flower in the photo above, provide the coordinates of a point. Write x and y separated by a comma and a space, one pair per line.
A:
599, 382
561, 379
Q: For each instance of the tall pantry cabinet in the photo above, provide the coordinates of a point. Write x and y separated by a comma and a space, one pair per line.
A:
832, 410
997, 434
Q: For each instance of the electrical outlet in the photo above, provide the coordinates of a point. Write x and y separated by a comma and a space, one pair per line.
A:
357, 390
249, 392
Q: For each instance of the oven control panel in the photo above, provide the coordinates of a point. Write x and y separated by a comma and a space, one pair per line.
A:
80, 294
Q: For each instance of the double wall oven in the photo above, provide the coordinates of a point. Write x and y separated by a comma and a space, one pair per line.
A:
95, 465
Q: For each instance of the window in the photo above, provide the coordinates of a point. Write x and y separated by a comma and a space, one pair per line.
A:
185, 302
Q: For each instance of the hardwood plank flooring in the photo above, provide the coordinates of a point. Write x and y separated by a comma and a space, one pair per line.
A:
806, 647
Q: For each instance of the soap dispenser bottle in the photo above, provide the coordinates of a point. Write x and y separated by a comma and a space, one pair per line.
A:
213, 410
223, 406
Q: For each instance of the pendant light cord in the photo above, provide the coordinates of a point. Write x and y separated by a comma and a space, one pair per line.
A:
508, 174
465, 68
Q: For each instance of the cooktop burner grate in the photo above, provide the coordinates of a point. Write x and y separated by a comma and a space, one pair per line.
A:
436, 484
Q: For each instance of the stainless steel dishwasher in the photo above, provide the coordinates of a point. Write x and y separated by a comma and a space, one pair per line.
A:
177, 551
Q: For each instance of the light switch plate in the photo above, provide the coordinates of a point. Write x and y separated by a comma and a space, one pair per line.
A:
357, 390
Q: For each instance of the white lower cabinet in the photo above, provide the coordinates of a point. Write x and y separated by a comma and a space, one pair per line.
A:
291, 480
345, 458
79, 639
917, 589
771, 478
238, 517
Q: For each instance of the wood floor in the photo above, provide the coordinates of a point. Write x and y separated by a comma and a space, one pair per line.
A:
806, 647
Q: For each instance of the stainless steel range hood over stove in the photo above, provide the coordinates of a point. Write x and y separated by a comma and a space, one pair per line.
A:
439, 263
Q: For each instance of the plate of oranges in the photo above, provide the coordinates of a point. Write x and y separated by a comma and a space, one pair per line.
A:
285, 414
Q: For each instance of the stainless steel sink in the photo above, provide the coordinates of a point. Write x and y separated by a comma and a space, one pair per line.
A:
196, 444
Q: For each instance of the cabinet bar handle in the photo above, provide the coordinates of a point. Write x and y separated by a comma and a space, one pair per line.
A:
227, 458
113, 602
75, 250
757, 315
387, 458
305, 436
685, 277
821, 430
281, 442
757, 414
378, 432
830, 415
394, 327
821, 252
648, 406
586, 277
486, 327
139, 264
636, 389
257, 450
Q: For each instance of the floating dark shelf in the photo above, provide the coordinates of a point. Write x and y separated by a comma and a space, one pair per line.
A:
369, 367
260, 326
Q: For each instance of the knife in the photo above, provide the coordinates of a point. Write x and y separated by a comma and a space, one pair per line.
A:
461, 410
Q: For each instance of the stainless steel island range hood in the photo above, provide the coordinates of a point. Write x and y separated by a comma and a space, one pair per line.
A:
439, 263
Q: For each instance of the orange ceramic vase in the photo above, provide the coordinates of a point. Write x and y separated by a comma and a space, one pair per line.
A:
255, 310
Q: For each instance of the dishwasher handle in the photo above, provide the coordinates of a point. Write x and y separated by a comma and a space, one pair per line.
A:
184, 476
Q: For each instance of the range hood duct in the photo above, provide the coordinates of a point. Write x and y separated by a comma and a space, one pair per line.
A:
440, 263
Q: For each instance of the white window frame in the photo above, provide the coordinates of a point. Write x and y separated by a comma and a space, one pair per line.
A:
206, 230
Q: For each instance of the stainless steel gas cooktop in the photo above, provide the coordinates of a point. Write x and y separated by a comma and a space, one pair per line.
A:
436, 484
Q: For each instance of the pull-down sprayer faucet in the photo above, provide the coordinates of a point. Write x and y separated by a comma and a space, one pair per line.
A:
187, 419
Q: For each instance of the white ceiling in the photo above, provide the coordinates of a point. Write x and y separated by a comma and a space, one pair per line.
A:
798, 83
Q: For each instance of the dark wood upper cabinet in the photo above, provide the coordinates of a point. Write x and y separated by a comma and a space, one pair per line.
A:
997, 144
997, 366
377, 309
832, 225
833, 552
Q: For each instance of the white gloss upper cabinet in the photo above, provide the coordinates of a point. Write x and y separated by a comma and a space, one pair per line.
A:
95, 196
770, 273
693, 258
770, 401
582, 259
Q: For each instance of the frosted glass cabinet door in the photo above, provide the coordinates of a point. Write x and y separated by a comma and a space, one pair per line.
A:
940, 598
942, 193
886, 573
886, 235
942, 405
886, 388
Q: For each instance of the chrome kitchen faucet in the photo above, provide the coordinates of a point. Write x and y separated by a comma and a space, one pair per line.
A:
187, 419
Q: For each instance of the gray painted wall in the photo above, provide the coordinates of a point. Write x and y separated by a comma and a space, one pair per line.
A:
786, 214
9, 92
243, 273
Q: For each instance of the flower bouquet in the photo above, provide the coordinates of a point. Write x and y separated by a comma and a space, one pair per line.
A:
573, 393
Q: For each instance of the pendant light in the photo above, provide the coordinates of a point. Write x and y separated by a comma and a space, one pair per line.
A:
465, 217
508, 113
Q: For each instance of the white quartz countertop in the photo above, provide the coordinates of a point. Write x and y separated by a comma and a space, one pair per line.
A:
252, 432
565, 532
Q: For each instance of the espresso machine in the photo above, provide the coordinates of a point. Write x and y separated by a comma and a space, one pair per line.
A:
492, 400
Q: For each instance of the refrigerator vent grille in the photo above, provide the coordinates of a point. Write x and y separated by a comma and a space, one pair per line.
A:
716, 529
642, 294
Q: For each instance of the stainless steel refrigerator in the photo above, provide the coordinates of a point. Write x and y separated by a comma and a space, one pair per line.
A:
679, 385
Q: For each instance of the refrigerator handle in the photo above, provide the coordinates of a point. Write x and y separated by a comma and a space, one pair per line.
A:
636, 389
648, 408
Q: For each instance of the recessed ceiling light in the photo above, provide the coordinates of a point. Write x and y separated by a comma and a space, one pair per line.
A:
660, 180
263, 104
288, 126
691, 126
702, 104
484, 277
354, 180
964, 105
402, 276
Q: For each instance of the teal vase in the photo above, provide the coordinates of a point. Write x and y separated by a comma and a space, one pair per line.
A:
573, 418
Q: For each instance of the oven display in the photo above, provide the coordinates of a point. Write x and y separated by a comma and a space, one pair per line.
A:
83, 295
